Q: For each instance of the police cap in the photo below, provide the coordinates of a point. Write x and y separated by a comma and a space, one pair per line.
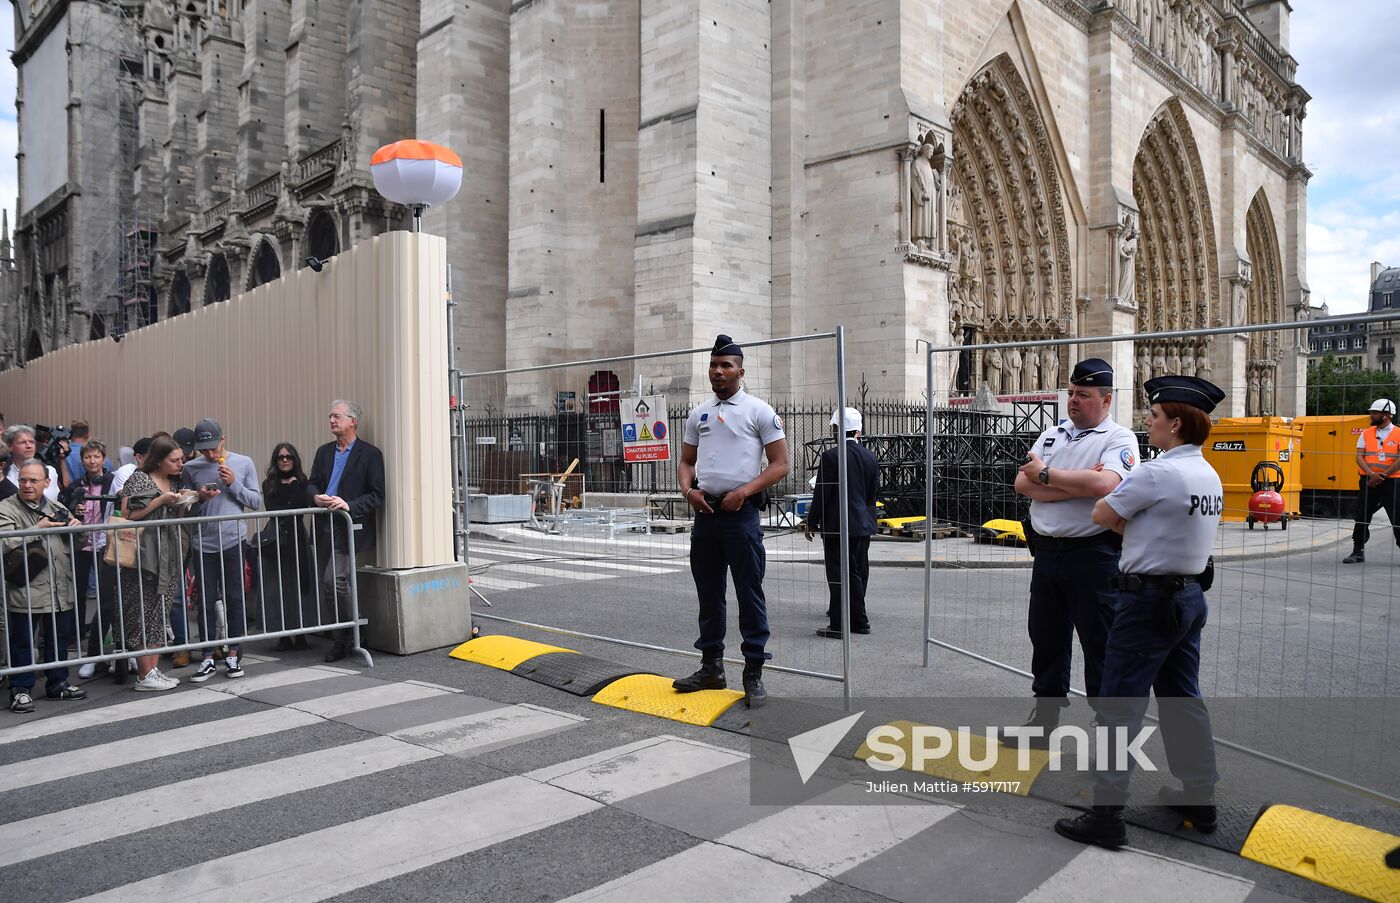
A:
1094, 371
726, 347
1192, 390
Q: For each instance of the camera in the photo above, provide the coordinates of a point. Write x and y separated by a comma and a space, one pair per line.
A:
49, 451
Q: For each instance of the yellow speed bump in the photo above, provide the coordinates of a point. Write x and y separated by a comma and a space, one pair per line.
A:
651, 694
954, 756
1339, 854
504, 652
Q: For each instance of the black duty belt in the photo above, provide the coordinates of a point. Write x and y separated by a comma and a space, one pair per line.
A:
714, 501
1064, 543
1135, 582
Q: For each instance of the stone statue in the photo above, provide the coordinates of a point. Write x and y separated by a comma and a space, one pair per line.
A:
968, 275
1239, 300
1015, 362
1252, 405
1202, 362
1173, 360
1127, 259
1266, 392
1159, 361
923, 219
992, 369
1049, 369
1188, 362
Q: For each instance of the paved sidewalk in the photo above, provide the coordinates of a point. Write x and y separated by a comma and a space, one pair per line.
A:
1234, 542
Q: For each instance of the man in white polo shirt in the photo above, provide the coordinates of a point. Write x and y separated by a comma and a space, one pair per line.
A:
722, 475
1071, 466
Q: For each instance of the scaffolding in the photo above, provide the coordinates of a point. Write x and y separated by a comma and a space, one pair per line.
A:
120, 290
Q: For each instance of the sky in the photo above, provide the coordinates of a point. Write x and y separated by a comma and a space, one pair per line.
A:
1347, 59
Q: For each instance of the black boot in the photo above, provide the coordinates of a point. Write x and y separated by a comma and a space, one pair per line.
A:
1046, 716
1102, 826
754, 693
1201, 815
1357, 556
709, 677
119, 671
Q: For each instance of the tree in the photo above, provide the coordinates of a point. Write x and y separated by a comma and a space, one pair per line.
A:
1334, 388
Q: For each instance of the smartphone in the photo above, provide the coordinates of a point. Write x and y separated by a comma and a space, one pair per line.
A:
210, 486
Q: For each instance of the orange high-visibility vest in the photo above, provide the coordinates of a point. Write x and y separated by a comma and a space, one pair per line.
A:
1380, 454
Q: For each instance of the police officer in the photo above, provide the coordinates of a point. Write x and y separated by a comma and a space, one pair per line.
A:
722, 476
1069, 467
1377, 459
1167, 512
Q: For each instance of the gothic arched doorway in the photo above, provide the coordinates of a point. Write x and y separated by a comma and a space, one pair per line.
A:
1007, 232
216, 282
179, 294
1176, 274
322, 242
1264, 305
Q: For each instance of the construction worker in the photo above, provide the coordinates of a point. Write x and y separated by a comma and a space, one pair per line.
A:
1377, 460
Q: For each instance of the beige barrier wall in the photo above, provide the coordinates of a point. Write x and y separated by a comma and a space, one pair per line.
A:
267, 364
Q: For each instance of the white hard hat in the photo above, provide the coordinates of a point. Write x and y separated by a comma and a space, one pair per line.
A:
1384, 405
853, 420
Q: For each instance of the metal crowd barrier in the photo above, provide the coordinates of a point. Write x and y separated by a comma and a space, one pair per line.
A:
267, 598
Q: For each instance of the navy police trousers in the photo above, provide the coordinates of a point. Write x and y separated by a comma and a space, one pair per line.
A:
1067, 597
1155, 646
730, 542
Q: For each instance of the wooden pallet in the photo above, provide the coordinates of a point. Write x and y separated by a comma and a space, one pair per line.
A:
916, 531
671, 526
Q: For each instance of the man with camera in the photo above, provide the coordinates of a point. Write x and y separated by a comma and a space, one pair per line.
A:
38, 577
20, 439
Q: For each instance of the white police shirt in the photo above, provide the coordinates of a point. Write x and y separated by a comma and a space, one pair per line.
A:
1064, 447
730, 435
1172, 505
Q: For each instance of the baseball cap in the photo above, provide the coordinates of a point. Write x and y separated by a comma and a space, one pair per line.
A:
853, 421
184, 437
207, 434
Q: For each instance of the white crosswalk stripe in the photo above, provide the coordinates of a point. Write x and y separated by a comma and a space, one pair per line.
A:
728, 851
72, 721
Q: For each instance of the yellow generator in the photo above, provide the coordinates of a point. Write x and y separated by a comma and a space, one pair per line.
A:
1238, 444
1329, 463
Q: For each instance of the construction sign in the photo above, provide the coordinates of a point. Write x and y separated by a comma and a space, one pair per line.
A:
645, 437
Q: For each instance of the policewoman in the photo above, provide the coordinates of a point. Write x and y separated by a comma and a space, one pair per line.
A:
1377, 460
1167, 512
722, 476
1070, 466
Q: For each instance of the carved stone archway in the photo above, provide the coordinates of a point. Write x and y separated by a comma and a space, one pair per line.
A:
180, 290
1007, 232
1177, 282
322, 237
1264, 305
264, 266
217, 283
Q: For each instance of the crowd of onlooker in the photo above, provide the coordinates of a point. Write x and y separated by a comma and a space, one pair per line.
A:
142, 578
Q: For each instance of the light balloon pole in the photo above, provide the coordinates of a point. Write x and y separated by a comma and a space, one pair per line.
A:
416, 174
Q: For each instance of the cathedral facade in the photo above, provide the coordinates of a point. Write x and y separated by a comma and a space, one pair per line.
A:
643, 174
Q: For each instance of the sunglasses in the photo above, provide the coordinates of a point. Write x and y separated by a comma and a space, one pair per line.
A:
284, 457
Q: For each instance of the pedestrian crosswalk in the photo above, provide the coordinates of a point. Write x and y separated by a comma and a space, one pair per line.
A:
349, 784
502, 568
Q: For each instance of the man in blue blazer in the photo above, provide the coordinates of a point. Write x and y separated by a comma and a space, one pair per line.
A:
346, 475
824, 517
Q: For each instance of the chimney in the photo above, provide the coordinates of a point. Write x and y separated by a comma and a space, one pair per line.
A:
1376, 267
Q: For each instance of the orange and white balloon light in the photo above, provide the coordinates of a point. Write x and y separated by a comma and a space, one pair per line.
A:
416, 174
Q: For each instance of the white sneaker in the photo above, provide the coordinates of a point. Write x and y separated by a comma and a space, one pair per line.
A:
173, 681
153, 682
87, 671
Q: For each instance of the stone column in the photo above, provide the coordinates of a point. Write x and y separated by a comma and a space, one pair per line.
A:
382, 77
466, 47
316, 53
221, 64
262, 90
702, 257
178, 149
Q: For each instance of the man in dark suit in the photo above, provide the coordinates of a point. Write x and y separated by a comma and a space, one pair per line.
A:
824, 517
346, 475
